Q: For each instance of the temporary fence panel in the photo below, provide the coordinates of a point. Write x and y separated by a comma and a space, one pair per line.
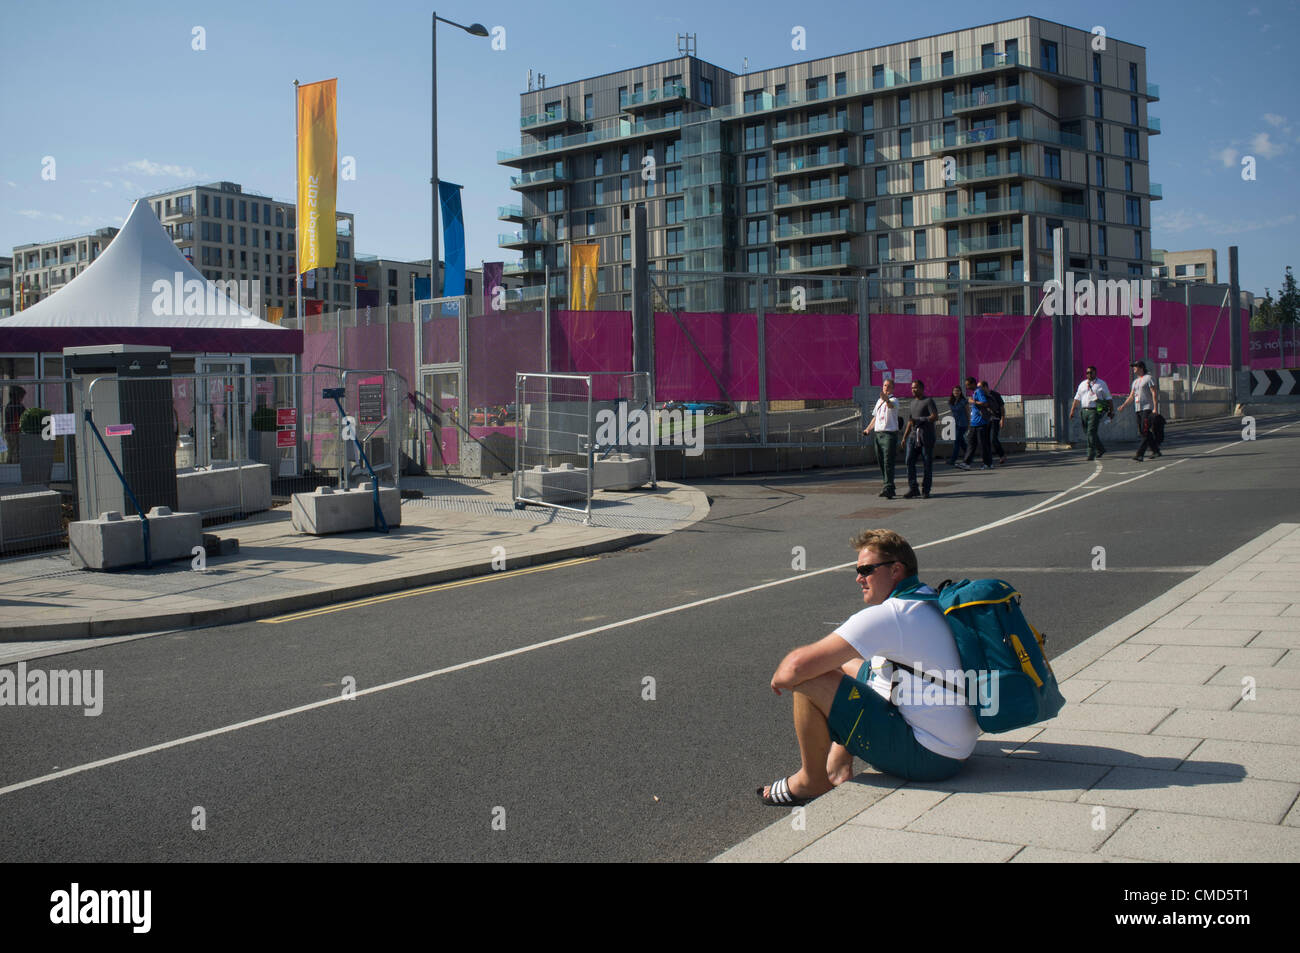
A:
706, 356
811, 356
590, 341
555, 450
920, 345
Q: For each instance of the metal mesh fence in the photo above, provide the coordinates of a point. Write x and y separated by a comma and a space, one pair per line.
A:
555, 449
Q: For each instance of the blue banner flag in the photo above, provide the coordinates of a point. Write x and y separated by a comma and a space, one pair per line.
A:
453, 239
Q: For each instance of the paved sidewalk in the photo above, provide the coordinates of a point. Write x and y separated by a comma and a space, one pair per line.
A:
1157, 755
449, 534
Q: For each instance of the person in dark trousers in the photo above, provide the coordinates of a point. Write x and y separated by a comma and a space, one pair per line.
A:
979, 427
1094, 396
884, 421
997, 409
1146, 400
918, 438
960, 407
13, 414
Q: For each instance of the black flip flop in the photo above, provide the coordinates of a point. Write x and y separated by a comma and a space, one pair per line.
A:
781, 795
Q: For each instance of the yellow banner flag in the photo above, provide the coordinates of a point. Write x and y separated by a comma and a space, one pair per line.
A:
274, 315
583, 260
318, 163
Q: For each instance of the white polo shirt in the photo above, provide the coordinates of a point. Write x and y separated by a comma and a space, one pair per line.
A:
886, 414
1141, 392
1090, 392
915, 633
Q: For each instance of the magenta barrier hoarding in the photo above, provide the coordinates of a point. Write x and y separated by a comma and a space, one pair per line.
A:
364, 347
440, 337
1211, 336
501, 344
730, 345
811, 356
587, 341
925, 344
401, 338
319, 346
1165, 337
1102, 341
1273, 349
992, 339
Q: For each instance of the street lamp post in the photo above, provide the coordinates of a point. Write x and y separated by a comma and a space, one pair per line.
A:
474, 29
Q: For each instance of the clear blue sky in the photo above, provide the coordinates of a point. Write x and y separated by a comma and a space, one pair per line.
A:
117, 95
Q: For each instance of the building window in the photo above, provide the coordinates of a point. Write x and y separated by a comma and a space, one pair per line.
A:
625, 248
756, 262
1096, 67
868, 149
871, 225
675, 211
255, 221
878, 77
1051, 163
1096, 103
1137, 244
882, 183
1132, 211
1101, 171
905, 143
1133, 110
670, 151
597, 193
755, 136
755, 168
756, 231
598, 165
1128, 176
949, 134
904, 109
914, 69
622, 97
243, 211
672, 180
588, 106
625, 188
1012, 52
882, 249
949, 94
1133, 76
841, 84
1101, 240
1047, 56
918, 245
816, 87
706, 92
906, 207
782, 97
986, 55
1099, 142
555, 200
918, 176
1131, 144
756, 199
1101, 206
753, 100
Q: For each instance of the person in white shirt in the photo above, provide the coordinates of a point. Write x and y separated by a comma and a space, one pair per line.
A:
848, 698
884, 421
1095, 398
1145, 399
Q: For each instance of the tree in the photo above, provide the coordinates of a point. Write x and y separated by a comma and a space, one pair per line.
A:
1265, 314
1288, 301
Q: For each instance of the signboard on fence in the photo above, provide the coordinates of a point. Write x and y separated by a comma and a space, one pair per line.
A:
286, 438
286, 417
370, 397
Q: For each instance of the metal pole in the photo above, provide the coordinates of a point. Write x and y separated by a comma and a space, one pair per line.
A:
762, 361
1234, 328
433, 166
297, 267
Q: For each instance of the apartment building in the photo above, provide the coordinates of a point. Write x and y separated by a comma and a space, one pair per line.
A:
41, 268
949, 156
6, 286
228, 233
1200, 265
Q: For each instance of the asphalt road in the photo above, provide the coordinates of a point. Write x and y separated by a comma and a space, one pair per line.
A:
558, 744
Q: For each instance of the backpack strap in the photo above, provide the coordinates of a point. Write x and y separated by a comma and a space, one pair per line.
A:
926, 677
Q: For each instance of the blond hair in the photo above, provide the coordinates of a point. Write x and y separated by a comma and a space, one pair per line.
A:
890, 545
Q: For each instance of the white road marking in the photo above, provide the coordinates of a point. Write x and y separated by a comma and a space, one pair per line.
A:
1035, 510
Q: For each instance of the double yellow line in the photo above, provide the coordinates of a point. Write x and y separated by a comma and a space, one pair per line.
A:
406, 594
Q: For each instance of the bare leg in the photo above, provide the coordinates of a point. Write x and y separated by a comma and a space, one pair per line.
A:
839, 763
812, 703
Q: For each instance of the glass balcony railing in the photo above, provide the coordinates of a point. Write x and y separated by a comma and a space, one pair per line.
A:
987, 243
989, 169
1015, 94
1157, 191
526, 236
825, 226
622, 130
667, 94
861, 82
1004, 274
555, 114
517, 267
1011, 130
986, 207
825, 126
540, 177
818, 194
510, 211
815, 161
840, 259
1153, 90
1153, 123
1066, 209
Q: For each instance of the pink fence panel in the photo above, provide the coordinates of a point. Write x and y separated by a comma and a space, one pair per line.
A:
319, 343
1102, 341
925, 344
585, 341
1273, 349
365, 347
440, 337
811, 356
991, 340
501, 344
730, 346
1211, 336
401, 336
1165, 336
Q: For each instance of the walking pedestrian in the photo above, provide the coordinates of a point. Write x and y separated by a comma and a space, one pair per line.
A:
979, 428
997, 410
918, 438
884, 421
1094, 397
960, 407
1145, 399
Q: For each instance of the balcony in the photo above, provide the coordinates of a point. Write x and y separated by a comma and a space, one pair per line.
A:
510, 213
525, 236
826, 126
984, 135
1157, 191
1153, 125
825, 227
675, 93
1063, 209
1004, 276
1153, 91
815, 262
624, 129
178, 214
1013, 168
986, 243
826, 160
556, 116
833, 193
978, 209
531, 180
985, 100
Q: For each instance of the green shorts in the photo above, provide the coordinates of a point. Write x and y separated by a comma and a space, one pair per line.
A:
873, 729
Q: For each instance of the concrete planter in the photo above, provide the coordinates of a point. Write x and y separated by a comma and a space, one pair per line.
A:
35, 458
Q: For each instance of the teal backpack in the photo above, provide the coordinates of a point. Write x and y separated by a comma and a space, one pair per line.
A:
1015, 685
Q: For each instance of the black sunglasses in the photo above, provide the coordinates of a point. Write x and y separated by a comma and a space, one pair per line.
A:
866, 569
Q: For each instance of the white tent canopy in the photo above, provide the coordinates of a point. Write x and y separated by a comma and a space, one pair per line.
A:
141, 280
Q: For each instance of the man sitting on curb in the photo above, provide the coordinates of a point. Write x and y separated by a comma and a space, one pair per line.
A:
842, 685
